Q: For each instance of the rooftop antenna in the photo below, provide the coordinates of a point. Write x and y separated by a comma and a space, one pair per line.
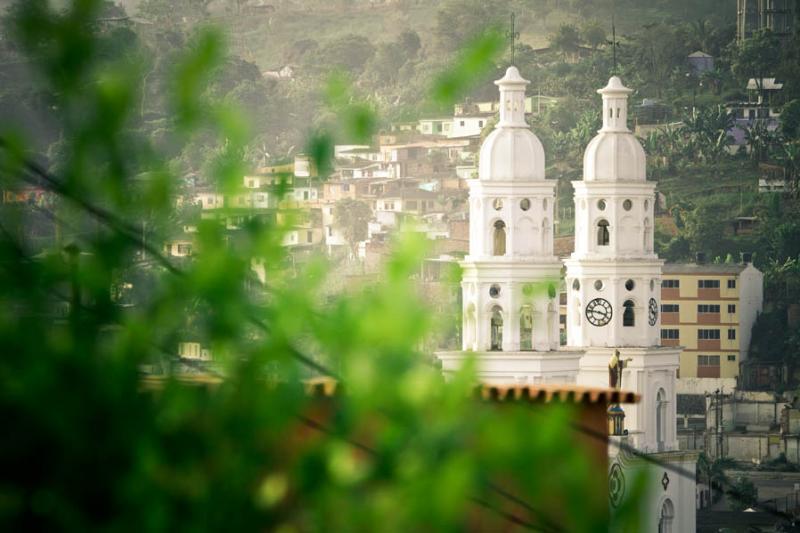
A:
512, 36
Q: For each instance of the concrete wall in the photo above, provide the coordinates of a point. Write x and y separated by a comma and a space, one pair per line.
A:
705, 385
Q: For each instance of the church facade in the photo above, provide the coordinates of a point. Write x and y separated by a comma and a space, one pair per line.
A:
613, 285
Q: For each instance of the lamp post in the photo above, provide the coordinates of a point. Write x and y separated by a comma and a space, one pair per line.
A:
616, 420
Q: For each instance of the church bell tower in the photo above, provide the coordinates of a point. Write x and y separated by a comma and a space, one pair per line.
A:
613, 278
511, 275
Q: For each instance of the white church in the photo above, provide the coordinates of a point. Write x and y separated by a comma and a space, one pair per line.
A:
613, 283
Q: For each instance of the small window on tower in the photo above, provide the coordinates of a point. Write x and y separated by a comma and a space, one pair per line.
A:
603, 235
628, 316
618, 109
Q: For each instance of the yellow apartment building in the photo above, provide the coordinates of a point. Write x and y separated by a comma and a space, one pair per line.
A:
710, 309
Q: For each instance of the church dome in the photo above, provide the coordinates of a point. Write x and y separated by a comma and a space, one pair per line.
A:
614, 157
512, 151
614, 154
512, 154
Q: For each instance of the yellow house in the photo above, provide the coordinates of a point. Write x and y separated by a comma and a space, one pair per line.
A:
710, 309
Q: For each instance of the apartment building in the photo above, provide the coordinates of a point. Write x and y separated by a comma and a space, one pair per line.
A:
710, 309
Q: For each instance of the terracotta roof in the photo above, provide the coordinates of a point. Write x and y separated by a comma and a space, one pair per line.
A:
534, 393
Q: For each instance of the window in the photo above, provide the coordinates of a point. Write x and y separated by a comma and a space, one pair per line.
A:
707, 360
708, 284
496, 340
259, 197
525, 328
731, 358
309, 236
480, 123
628, 316
671, 284
731, 334
703, 308
499, 244
330, 231
731, 308
305, 195
603, 235
251, 183
346, 187
670, 334
708, 334
670, 308
460, 122
731, 283
184, 249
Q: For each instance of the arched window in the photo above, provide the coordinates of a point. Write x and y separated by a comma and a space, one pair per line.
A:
666, 516
661, 419
496, 344
499, 241
603, 236
526, 328
628, 315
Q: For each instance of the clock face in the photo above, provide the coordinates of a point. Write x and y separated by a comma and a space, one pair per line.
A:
598, 312
652, 311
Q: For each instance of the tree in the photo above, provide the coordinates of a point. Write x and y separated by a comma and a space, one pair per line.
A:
593, 34
565, 40
742, 494
790, 120
459, 21
349, 52
351, 218
756, 58
410, 43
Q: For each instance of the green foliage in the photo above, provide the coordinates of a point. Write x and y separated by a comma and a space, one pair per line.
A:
566, 39
743, 494
790, 120
756, 57
88, 448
